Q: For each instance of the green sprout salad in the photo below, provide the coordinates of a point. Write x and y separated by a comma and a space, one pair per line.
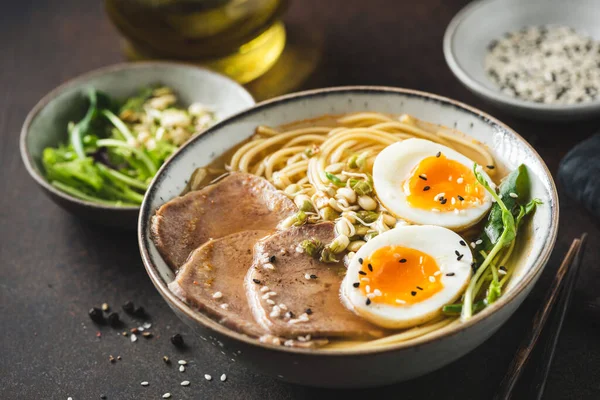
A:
115, 150
497, 241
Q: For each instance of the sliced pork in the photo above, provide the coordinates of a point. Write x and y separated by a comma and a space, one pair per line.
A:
236, 203
292, 294
212, 280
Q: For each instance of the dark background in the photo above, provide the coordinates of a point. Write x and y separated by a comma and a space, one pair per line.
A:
54, 267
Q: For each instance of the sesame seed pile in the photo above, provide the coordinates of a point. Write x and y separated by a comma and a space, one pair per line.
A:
546, 64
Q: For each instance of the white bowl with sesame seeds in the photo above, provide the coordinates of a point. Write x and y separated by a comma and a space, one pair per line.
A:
532, 71
357, 367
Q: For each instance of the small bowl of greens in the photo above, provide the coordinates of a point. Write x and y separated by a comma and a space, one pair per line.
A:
95, 143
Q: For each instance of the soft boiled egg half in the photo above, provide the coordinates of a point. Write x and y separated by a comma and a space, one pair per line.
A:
427, 183
403, 277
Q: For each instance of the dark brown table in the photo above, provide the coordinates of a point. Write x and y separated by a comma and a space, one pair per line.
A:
53, 267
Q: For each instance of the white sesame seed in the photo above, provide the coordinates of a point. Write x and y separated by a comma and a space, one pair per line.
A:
301, 339
400, 301
431, 279
270, 302
453, 201
264, 289
185, 383
435, 210
436, 273
223, 378
450, 178
181, 368
370, 295
421, 260
182, 362
303, 317
268, 266
275, 313
166, 396
133, 338
501, 272
377, 292
276, 341
272, 294
473, 245
147, 325
368, 289
266, 296
207, 377
225, 306
365, 279
217, 295
69, 398
283, 306
460, 180
144, 383
513, 195
478, 242
307, 277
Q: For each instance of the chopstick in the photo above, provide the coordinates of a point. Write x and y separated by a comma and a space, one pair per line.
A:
524, 352
557, 319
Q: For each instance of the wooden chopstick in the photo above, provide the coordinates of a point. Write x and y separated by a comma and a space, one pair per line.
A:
556, 321
522, 356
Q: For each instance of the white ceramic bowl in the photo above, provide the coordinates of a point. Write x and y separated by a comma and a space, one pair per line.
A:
358, 368
46, 123
475, 26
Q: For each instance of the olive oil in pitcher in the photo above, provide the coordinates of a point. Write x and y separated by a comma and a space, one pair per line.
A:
240, 38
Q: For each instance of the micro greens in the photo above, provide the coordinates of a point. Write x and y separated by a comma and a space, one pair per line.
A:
116, 148
507, 236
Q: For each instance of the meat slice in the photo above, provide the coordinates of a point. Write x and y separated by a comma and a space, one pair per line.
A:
238, 202
212, 279
276, 285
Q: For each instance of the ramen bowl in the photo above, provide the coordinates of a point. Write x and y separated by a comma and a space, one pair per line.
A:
346, 368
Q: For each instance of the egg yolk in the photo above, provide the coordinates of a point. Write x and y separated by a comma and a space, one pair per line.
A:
443, 184
398, 275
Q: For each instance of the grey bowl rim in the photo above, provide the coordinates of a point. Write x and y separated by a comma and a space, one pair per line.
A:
198, 317
496, 95
78, 80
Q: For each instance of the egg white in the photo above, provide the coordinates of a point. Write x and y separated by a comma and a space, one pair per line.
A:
393, 166
439, 243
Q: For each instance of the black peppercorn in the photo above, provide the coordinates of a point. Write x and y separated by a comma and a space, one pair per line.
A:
139, 312
177, 340
114, 320
128, 307
96, 315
